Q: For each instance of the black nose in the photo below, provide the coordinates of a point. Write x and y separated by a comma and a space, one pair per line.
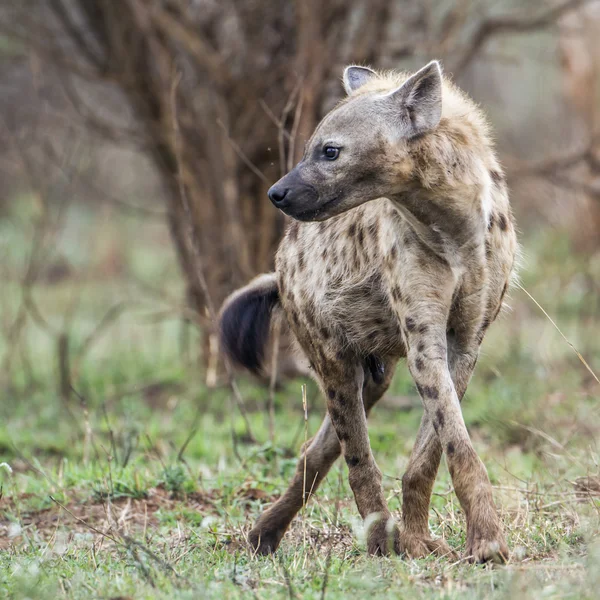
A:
277, 194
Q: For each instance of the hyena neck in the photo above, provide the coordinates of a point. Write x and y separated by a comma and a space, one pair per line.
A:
449, 221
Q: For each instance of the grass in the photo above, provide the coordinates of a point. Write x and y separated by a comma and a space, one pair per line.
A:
143, 486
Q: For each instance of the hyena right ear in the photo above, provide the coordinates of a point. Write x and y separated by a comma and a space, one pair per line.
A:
355, 77
420, 98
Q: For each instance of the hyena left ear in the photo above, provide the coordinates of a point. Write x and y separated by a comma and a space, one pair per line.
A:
421, 97
355, 77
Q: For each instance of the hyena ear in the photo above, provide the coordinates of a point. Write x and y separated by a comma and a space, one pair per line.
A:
355, 77
421, 97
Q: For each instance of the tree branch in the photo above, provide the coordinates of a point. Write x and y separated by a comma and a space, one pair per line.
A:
517, 23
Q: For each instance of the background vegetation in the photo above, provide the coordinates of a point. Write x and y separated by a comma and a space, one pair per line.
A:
139, 140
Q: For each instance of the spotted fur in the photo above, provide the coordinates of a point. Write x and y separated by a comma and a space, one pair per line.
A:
404, 246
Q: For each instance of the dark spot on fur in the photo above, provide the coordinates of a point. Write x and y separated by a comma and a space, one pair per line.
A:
301, 260
331, 393
410, 324
352, 230
419, 364
432, 392
423, 329
450, 449
502, 222
496, 177
439, 413
339, 355
324, 253
427, 391
352, 461
488, 248
361, 236
374, 231
325, 333
421, 347
491, 223
394, 252
396, 293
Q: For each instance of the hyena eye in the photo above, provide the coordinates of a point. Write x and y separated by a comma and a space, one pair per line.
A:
330, 152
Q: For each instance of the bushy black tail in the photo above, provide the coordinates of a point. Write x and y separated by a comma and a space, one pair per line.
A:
245, 322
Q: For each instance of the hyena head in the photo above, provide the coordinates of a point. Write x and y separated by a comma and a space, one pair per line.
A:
360, 150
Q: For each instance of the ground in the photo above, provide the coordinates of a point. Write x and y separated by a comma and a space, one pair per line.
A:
143, 482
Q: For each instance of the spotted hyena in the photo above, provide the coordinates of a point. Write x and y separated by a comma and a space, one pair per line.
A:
402, 244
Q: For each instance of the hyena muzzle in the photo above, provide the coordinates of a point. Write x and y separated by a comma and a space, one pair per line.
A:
401, 245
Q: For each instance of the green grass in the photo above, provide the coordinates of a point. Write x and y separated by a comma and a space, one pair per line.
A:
143, 486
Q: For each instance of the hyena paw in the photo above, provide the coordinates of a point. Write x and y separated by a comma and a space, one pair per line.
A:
486, 546
262, 541
420, 546
383, 537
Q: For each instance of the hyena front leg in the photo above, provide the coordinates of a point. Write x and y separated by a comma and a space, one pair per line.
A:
419, 478
427, 360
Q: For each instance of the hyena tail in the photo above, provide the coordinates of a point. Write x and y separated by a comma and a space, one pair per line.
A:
245, 322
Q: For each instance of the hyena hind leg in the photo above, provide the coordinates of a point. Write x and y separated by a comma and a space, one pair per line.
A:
321, 452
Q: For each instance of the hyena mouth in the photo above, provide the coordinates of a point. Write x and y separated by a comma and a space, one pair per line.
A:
315, 213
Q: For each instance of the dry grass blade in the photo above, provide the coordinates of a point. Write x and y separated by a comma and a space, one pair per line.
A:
585, 364
305, 409
273, 381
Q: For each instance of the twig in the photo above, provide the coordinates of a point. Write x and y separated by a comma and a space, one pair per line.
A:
111, 315
283, 162
85, 524
292, 146
237, 149
126, 543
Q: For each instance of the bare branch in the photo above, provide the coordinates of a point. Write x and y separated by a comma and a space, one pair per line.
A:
516, 23
193, 43
76, 34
